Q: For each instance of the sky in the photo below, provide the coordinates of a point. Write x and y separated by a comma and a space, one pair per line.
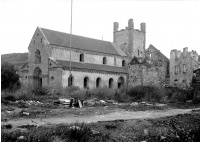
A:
170, 24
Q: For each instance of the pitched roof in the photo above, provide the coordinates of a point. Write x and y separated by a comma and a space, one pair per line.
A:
80, 42
151, 46
96, 67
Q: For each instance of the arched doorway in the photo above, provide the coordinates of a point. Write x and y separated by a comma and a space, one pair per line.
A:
98, 82
120, 82
37, 78
111, 83
86, 82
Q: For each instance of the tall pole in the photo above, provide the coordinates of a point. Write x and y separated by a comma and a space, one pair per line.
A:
70, 64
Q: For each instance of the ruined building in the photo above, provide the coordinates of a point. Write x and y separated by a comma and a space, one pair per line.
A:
152, 67
94, 63
182, 65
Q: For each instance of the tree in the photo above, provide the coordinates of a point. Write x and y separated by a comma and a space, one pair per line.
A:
9, 77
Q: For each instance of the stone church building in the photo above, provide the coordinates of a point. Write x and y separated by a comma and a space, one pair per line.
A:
94, 63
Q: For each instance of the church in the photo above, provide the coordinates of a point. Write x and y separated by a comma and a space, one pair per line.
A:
89, 63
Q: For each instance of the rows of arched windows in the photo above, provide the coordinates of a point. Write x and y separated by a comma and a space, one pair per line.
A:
86, 80
104, 61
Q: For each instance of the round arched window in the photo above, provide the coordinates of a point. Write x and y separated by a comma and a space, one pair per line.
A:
37, 57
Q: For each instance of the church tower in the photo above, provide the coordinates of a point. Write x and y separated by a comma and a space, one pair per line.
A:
131, 41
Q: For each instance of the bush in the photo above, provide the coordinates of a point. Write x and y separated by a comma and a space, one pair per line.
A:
11, 98
121, 95
146, 93
40, 91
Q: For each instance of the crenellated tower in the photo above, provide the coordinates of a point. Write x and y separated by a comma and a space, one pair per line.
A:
131, 41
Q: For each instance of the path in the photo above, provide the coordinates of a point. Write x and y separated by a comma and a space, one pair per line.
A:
125, 115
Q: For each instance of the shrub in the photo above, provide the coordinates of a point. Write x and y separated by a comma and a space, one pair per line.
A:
72, 89
40, 91
178, 96
146, 93
121, 95
10, 98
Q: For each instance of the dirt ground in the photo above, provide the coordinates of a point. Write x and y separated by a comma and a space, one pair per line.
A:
90, 114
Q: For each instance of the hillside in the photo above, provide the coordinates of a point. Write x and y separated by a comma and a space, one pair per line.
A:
17, 59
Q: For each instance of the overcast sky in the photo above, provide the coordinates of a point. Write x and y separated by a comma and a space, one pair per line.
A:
170, 24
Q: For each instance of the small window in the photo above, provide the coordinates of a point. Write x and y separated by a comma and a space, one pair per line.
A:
41, 40
104, 60
115, 61
26, 77
81, 57
27, 67
138, 52
123, 63
52, 78
50, 64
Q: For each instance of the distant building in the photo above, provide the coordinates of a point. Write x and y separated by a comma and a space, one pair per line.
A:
182, 65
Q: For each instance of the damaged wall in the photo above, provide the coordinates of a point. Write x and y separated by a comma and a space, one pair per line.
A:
140, 74
182, 65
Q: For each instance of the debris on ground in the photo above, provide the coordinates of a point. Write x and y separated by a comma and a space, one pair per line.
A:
31, 102
25, 113
21, 138
69, 102
134, 104
28, 126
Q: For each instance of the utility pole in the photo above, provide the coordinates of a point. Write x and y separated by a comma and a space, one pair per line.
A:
70, 63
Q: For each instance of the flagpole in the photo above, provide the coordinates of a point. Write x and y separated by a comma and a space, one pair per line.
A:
70, 64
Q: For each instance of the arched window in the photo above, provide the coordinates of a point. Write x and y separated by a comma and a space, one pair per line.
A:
37, 57
123, 63
86, 82
138, 52
81, 57
120, 82
98, 82
70, 81
104, 60
111, 83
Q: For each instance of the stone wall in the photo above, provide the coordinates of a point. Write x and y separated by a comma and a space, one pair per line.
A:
140, 74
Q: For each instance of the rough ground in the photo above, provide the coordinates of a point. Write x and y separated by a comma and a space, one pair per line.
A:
115, 115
